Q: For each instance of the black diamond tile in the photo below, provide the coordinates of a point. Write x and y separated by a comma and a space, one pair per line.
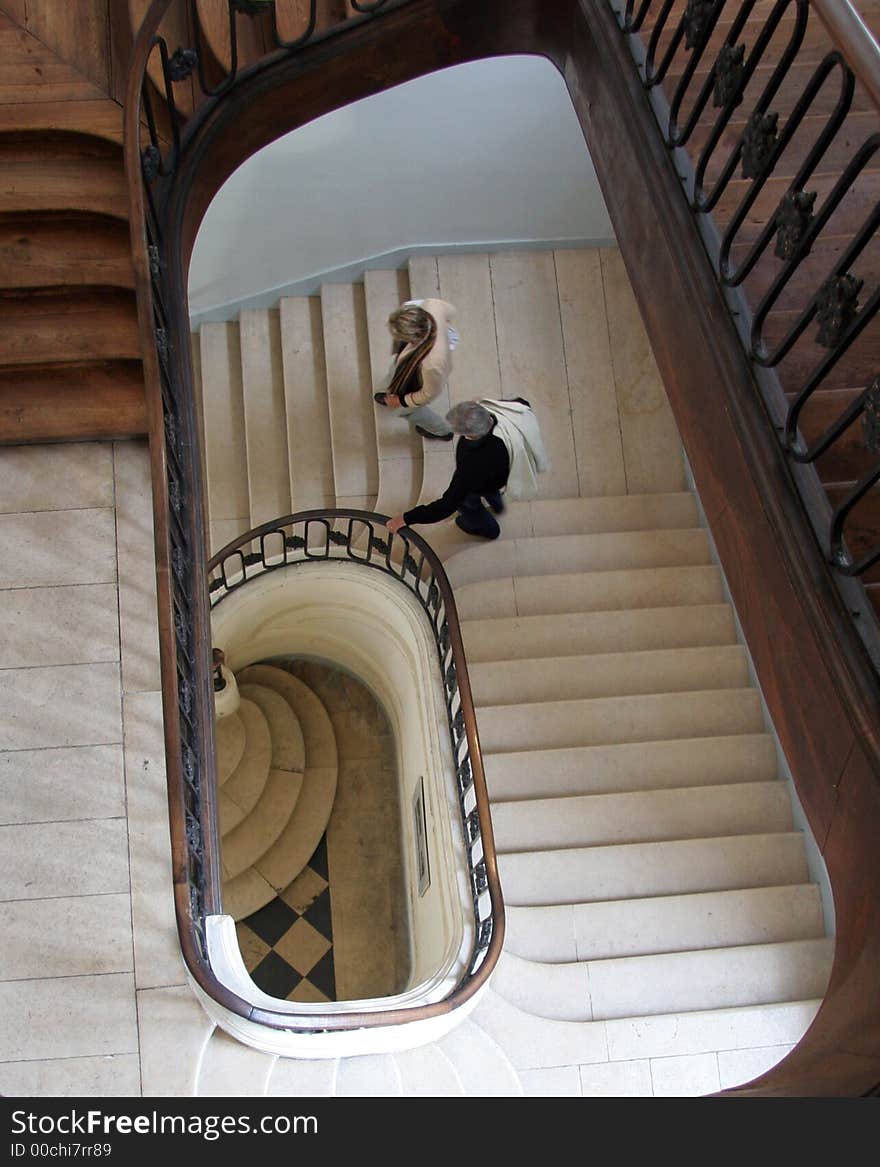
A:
318, 914
318, 861
275, 976
270, 923
323, 975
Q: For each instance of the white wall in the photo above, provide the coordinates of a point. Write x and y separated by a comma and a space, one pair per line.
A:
485, 154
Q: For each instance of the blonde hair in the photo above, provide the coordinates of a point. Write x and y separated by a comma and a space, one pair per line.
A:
410, 323
418, 328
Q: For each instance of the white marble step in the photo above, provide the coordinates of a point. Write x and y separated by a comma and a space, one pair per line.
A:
634, 870
427, 1072
553, 554
639, 927
607, 720
481, 1065
302, 1078
533, 1043
310, 470
265, 425
719, 978
369, 1076
620, 512
314, 721
596, 820
710, 978
350, 395
574, 633
225, 450
597, 591
615, 674
231, 1069
555, 773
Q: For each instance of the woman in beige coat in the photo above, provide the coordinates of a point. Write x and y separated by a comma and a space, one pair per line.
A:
423, 339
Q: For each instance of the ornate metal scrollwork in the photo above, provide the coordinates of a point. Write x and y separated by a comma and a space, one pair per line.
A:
151, 160
451, 678
465, 776
189, 768
193, 833
294, 542
697, 21
178, 564
729, 70
759, 138
155, 261
409, 564
433, 599
479, 878
162, 346
484, 936
181, 629
182, 63
793, 219
338, 537
458, 723
175, 497
185, 696
837, 305
871, 417
473, 826
379, 545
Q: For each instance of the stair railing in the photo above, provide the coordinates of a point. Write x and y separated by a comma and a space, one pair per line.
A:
361, 538
154, 139
841, 309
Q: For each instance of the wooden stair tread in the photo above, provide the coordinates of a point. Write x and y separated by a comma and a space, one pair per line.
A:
86, 401
80, 325
52, 250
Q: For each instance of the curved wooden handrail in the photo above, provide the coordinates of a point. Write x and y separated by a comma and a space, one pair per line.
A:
193, 950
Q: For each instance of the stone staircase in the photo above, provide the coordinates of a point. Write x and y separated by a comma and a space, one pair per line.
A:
664, 935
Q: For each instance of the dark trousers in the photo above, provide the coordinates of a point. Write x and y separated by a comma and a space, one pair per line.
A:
475, 519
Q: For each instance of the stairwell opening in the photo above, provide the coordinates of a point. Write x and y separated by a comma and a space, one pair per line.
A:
339, 927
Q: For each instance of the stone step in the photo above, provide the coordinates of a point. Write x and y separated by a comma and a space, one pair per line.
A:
368, 1076
571, 634
655, 765
595, 1047
288, 744
597, 591
246, 782
616, 674
265, 426
229, 742
634, 870
607, 720
638, 927
552, 554
596, 820
718, 978
245, 845
621, 512
427, 1072
224, 433
480, 1063
350, 396
302, 1078
310, 469
231, 1069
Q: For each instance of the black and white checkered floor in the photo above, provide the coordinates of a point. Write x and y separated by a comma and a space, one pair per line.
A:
288, 944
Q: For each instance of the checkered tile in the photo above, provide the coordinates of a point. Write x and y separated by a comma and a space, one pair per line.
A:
288, 945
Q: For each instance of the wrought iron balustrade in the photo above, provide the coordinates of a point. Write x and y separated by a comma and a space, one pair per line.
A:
765, 99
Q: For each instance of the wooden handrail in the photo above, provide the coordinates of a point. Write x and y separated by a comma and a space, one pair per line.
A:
189, 525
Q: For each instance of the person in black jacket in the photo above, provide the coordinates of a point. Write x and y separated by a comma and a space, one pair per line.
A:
482, 466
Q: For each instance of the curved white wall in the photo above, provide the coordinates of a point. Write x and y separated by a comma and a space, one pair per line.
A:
481, 155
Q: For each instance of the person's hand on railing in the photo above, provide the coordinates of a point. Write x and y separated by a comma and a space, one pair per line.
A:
395, 524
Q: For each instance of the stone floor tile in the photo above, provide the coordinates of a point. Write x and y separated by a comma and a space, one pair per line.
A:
138, 619
64, 859
98, 1012
47, 477
173, 1029
58, 625
57, 547
65, 937
689, 1076
107, 1076
76, 782
62, 705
